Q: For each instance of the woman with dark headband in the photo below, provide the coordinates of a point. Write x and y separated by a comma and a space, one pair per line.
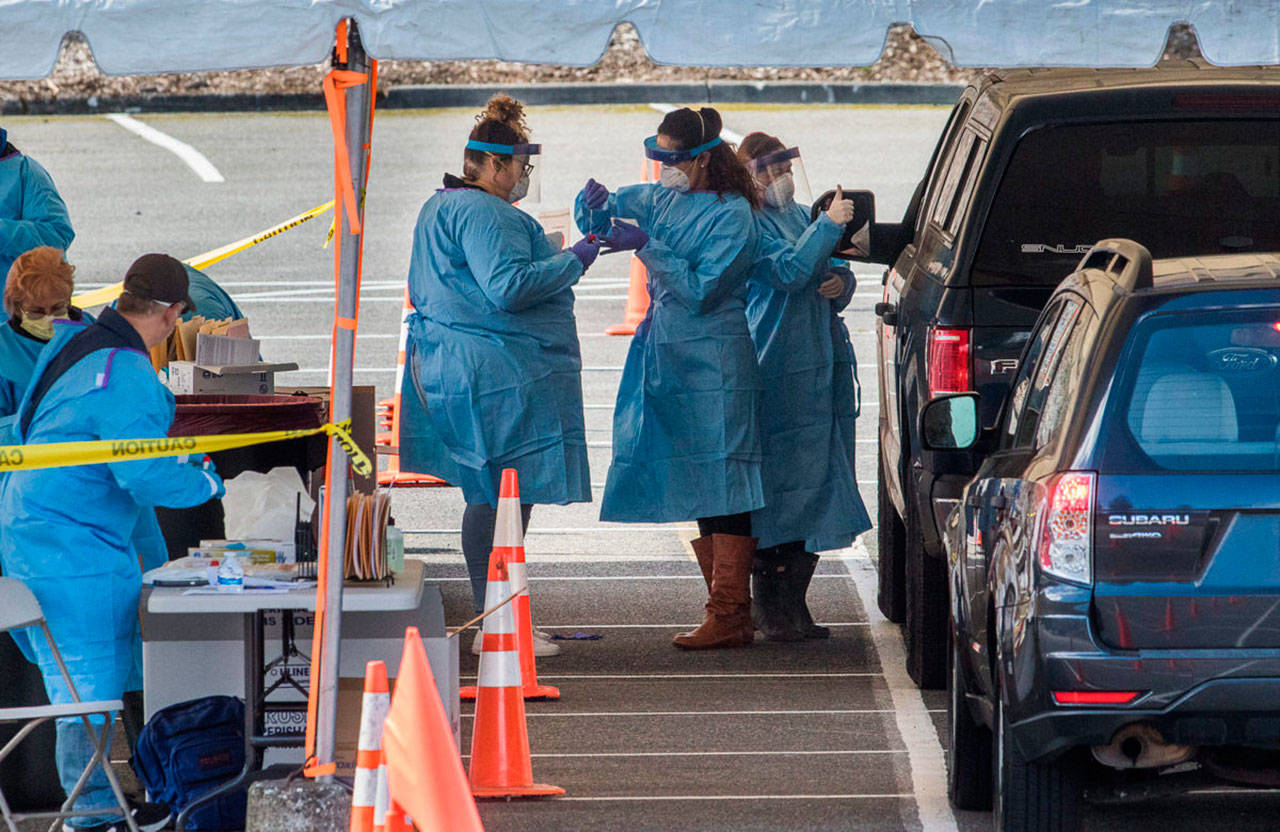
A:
810, 403
685, 442
495, 375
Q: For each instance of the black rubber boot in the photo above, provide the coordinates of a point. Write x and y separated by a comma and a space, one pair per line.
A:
769, 610
799, 573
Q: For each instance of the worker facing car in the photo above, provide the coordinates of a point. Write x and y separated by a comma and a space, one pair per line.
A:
495, 373
95, 382
809, 404
32, 212
685, 438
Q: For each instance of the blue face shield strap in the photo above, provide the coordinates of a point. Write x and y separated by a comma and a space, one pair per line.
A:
671, 157
505, 149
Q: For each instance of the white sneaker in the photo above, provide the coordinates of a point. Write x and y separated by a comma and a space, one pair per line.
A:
542, 645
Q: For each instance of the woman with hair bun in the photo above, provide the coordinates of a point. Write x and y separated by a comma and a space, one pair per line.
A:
809, 405
685, 441
495, 372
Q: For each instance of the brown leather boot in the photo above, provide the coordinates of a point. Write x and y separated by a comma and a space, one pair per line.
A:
728, 619
702, 551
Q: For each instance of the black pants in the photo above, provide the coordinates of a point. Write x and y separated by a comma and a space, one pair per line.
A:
477, 542
735, 524
783, 551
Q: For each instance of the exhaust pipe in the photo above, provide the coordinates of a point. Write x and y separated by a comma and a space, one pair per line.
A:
1140, 745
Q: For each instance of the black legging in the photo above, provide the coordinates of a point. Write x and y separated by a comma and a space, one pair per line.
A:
735, 524
782, 551
477, 542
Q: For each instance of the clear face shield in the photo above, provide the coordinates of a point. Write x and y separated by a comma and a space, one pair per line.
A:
525, 162
781, 178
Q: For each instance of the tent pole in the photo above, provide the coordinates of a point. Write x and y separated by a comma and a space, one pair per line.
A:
340, 403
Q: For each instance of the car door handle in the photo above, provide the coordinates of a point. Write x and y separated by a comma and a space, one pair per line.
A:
887, 312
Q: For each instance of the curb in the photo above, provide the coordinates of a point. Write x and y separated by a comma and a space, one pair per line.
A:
432, 96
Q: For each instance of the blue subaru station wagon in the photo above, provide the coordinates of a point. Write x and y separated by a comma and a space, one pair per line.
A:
1114, 566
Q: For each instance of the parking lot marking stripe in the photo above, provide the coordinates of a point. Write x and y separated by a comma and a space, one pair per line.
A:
191, 157
646, 714
850, 752
687, 625
624, 577
771, 797
915, 726
847, 675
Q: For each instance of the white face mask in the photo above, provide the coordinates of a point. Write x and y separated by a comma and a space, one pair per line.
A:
520, 191
781, 192
674, 178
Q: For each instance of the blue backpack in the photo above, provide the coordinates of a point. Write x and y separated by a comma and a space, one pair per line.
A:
189, 749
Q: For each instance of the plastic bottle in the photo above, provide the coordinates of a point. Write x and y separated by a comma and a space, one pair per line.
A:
231, 576
395, 549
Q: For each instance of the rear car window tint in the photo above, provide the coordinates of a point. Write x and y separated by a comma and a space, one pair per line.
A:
1180, 188
1199, 392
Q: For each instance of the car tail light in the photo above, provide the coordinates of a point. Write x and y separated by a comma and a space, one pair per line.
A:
1066, 536
1094, 697
948, 361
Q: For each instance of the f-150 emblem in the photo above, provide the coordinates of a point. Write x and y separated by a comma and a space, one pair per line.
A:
1004, 366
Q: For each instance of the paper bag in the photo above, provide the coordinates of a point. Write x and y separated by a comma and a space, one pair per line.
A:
264, 506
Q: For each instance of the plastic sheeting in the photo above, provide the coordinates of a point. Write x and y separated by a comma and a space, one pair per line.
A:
150, 36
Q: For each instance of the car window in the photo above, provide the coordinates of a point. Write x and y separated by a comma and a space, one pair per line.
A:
1027, 366
973, 164
1198, 392
1064, 387
945, 152
945, 204
1181, 188
1033, 388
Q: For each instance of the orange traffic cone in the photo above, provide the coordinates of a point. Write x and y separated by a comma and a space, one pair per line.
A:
424, 771
373, 712
387, 816
393, 475
500, 762
638, 287
508, 537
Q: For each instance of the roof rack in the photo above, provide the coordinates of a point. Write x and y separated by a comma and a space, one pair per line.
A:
1124, 261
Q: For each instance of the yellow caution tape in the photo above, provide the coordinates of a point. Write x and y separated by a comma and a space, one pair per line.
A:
107, 294
64, 454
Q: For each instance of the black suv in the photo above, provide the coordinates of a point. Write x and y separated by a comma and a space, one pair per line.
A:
1114, 566
1033, 167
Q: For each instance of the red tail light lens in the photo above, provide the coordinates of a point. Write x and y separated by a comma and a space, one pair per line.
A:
1066, 536
1094, 697
949, 361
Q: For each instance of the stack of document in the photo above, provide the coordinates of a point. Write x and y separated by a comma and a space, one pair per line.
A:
366, 556
186, 343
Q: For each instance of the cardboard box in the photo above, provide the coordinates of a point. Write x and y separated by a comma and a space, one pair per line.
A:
190, 378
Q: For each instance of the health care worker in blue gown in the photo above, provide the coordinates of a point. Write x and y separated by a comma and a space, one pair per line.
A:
809, 405
77, 555
685, 438
495, 369
31, 211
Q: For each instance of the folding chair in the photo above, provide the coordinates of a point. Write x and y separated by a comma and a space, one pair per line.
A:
18, 609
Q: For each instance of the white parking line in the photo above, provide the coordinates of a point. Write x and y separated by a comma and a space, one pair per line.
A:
924, 753
734, 797
193, 158
779, 712
687, 625
703, 675
628, 754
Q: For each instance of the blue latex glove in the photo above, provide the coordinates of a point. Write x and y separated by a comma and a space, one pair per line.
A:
586, 250
594, 194
624, 237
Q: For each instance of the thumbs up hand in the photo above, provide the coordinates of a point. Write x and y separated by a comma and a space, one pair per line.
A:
841, 210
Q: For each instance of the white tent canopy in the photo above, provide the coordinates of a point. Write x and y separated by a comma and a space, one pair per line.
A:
151, 36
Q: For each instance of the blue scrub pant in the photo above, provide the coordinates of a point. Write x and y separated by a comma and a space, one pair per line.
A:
477, 542
74, 752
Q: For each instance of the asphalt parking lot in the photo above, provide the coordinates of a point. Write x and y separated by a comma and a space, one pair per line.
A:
818, 736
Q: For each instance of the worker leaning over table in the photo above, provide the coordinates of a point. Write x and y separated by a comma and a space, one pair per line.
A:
31, 211
76, 554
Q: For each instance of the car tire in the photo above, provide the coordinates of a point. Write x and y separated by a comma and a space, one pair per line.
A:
968, 743
928, 613
891, 594
1031, 796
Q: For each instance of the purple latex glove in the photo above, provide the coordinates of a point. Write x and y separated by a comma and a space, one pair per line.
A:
595, 195
586, 250
624, 237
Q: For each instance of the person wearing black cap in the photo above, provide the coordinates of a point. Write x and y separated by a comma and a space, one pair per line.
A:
69, 532
32, 212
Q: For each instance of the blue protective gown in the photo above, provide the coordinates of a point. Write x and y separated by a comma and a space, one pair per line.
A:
211, 300
685, 437
31, 211
19, 352
494, 371
810, 402
78, 555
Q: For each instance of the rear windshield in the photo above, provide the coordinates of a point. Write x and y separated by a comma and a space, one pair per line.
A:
1177, 187
1197, 392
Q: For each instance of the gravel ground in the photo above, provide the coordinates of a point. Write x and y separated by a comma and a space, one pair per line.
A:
906, 57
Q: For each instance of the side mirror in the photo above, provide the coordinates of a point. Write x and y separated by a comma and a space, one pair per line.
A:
950, 422
855, 243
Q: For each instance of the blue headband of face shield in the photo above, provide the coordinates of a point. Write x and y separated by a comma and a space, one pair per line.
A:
672, 157
505, 149
775, 158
